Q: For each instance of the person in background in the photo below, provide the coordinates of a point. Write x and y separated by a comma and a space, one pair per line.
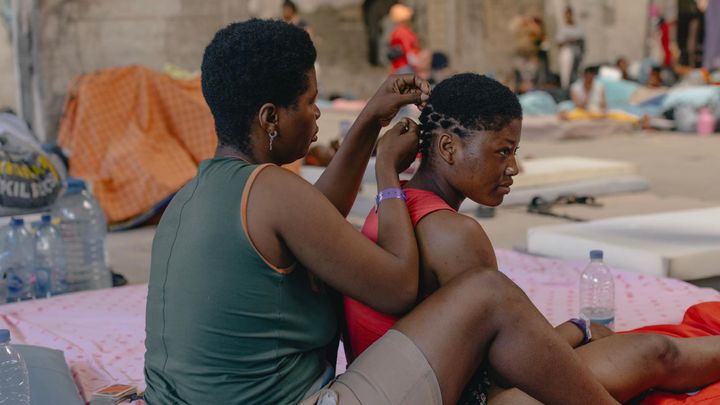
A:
291, 16
571, 39
439, 68
655, 78
539, 37
404, 45
664, 29
622, 65
588, 96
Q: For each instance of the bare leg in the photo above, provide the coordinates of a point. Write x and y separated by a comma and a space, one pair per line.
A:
630, 364
482, 315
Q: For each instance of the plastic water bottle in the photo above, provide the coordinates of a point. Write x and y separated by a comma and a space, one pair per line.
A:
706, 122
14, 380
83, 228
16, 261
597, 292
49, 264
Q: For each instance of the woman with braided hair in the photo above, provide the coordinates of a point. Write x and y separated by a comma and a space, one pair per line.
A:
469, 135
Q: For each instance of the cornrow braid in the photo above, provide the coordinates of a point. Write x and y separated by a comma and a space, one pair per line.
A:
430, 121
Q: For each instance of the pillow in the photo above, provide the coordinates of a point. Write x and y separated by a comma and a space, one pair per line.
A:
618, 92
50, 378
693, 96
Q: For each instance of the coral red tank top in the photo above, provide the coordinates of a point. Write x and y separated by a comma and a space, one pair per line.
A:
364, 324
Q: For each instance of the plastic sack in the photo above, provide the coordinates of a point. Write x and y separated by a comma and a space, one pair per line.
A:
29, 178
538, 103
686, 118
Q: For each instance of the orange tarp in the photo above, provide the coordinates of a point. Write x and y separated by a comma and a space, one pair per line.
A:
136, 135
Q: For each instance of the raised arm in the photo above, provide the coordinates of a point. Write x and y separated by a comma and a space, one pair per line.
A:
341, 180
288, 218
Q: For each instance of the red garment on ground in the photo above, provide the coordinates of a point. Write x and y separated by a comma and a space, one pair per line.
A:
364, 324
404, 37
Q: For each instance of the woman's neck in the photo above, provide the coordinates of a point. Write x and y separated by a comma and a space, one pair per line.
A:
230, 151
426, 179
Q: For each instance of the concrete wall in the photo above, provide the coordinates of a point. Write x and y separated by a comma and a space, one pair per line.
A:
7, 70
80, 36
613, 28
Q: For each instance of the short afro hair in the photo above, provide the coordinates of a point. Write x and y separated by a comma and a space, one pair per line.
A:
467, 101
251, 63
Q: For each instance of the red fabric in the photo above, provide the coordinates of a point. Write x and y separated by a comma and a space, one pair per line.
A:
407, 40
364, 324
700, 320
665, 42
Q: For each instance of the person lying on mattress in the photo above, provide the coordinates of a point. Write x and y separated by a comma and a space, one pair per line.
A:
470, 132
236, 309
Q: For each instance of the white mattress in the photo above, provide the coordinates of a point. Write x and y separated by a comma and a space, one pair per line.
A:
681, 244
554, 170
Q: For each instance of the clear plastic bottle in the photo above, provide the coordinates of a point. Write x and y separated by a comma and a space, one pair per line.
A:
16, 261
49, 264
83, 228
597, 292
14, 380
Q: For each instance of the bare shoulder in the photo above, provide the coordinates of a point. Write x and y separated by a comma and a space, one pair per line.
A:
451, 243
277, 195
276, 183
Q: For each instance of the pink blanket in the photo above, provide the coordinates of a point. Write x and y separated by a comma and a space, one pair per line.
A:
102, 332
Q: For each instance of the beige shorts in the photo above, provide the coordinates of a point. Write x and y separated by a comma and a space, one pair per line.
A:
393, 371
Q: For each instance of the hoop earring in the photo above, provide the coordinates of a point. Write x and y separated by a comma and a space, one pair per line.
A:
272, 135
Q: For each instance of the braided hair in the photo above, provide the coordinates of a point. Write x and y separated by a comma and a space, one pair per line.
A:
467, 102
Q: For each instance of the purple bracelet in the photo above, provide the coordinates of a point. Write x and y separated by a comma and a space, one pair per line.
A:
387, 194
584, 326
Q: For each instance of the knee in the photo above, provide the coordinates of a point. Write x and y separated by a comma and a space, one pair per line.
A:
494, 290
662, 352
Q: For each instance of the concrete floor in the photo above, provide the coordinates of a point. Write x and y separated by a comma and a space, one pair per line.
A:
683, 170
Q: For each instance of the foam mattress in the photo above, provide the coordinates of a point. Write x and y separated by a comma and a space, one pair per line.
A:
681, 244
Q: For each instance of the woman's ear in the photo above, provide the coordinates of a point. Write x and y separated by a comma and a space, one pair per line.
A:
446, 147
268, 117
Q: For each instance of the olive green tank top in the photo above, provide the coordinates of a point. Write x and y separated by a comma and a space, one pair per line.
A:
223, 325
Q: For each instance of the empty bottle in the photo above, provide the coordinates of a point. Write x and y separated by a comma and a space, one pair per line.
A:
14, 380
16, 260
83, 228
706, 122
49, 264
597, 292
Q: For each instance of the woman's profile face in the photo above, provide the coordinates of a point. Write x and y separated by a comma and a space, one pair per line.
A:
485, 164
297, 125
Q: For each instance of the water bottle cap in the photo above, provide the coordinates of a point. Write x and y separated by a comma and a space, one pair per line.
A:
4, 335
46, 219
15, 221
596, 255
75, 186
